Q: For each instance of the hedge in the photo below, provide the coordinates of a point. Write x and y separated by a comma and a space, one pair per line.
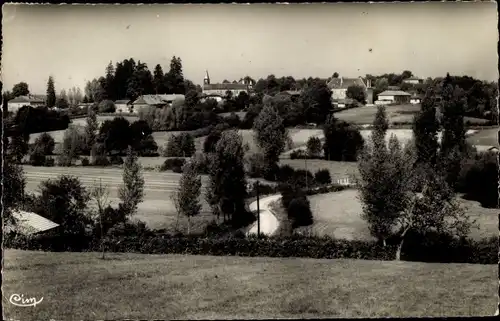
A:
464, 251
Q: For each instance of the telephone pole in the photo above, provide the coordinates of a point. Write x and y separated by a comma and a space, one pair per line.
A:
258, 209
305, 162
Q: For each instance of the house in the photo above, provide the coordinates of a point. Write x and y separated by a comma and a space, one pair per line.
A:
294, 94
393, 97
15, 104
158, 101
342, 103
416, 99
413, 81
123, 106
339, 86
29, 223
222, 89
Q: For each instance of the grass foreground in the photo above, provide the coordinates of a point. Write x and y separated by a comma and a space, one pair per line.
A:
136, 286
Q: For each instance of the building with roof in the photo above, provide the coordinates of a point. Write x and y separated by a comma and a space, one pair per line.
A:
393, 97
416, 99
339, 87
123, 106
413, 81
222, 89
158, 101
29, 223
15, 104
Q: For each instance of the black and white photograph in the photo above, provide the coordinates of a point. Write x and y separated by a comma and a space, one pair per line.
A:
250, 161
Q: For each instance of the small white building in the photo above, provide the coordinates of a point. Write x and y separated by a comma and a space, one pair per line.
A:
393, 97
413, 81
15, 104
415, 99
123, 106
158, 101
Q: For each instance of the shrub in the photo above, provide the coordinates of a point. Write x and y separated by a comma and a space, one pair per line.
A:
181, 145
45, 143
107, 106
286, 173
303, 178
298, 154
255, 165
174, 164
37, 157
116, 160
342, 141
49, 161
323, 177
101, 160
313, 147
299, 211
85, 161
233, 120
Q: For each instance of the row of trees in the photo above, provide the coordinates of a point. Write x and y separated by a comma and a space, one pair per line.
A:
412, 189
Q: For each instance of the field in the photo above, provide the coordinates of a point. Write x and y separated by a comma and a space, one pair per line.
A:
135, 286
365, 115
485, 137
157, 210
339, 215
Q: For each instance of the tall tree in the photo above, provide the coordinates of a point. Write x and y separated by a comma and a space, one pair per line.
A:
227, 187
131, 193
316, 100
425, 131
141, 82
13, 185
270, 135
186, 198
159, 80
20, 89
91, 130
94, 90
174, 79
110, 86
51, 93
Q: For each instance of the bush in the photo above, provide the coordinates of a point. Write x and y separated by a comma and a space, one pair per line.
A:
45, 143
298, 154
313, 147
299, 211
233, 120
264, 189
116, 160
37, 158
342, 141
85, 161
181, 145
173, 164
323, 177
49, 161
101, 160
286, 173
107, 106
255, 165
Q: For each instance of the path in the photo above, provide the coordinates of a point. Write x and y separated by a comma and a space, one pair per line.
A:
268, 222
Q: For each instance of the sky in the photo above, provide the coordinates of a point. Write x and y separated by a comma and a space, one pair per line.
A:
74, 43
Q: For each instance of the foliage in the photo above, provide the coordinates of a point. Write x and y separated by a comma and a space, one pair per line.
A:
299, 210
252, 113
38, 120
115, 135
14, 184
107, 106
20, 89
256, 165
131, 193
18, 148
479, 179
45, 143
227, 184
213, 137
343, 142
181, 145
425, 129
313, 146
357, 93
174, 164
91, 128
51, 93
323, 177
73, 142
186, 198
270, 135
316, 100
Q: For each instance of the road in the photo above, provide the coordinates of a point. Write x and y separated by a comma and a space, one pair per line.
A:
268, 222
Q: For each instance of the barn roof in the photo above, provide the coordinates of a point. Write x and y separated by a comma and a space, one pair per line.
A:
344, 83
32, 223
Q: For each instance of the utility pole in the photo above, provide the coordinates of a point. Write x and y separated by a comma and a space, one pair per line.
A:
305, 162
258, 208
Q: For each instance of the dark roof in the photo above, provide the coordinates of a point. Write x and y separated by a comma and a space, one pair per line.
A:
123, 101
344, 83
227, 86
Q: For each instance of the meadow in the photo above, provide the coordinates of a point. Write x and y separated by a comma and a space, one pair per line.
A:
137, 286
338, 215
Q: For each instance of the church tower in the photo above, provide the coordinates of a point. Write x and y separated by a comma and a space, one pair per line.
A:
206, 80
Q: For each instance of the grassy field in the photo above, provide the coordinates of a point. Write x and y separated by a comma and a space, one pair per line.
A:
486, 137
339, 215
366, 115
134, 286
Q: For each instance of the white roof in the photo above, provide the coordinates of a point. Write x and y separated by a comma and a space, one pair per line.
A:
31, 223
394, 93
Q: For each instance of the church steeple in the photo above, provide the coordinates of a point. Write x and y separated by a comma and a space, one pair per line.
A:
206, 80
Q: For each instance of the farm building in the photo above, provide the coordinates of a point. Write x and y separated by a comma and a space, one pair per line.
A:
29, 223
158, 101
123, 106
393, 97
339, 86
413, 81
222, 89
15, 104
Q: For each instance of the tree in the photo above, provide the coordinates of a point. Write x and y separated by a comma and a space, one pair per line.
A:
45, 143
425, 130
51, 93
159, 80
343, 142
107, 106
64, 201
94, 91
213, 137
335, 75
186, 198
174, 79
227, 184
316, 100
313, 146
109, 83
91, 128
270, 135
20, 89
100, 194
323, 177
406, 74
13, 186
19, 147
181, 145
75, 96
131, 193
72, 145
115, 135
357, 93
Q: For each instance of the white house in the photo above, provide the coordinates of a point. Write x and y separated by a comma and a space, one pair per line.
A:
123, 106
415, 99
15, 104
158, 101
339, 86
393, 97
